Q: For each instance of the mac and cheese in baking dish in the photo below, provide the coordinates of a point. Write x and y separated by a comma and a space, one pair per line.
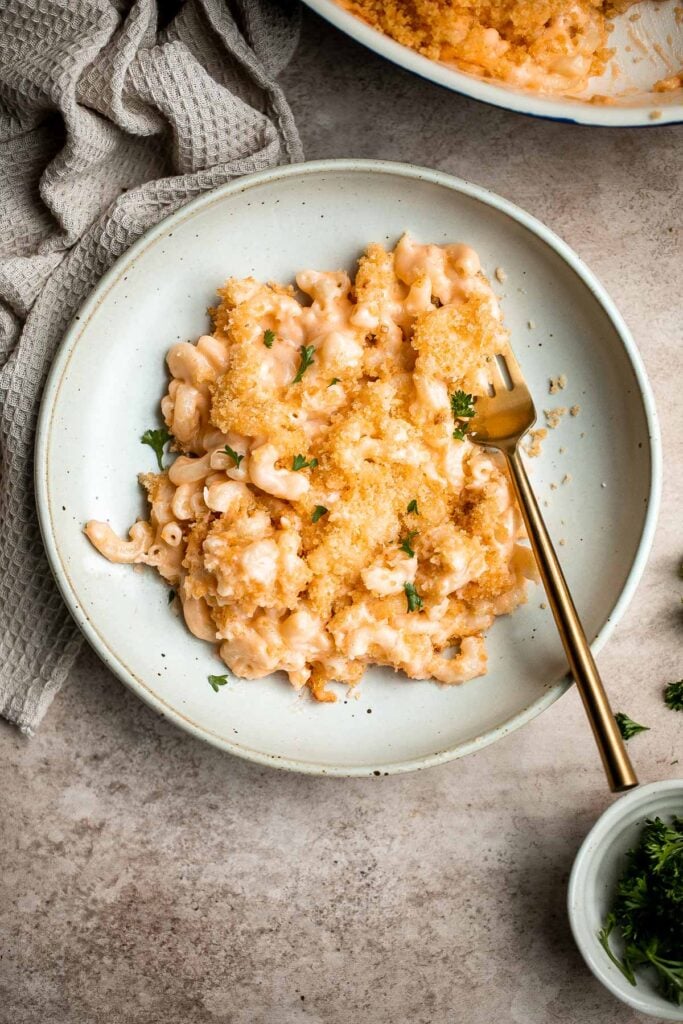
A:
547, 46
325, 510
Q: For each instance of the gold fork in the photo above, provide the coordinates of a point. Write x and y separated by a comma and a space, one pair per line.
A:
500, 421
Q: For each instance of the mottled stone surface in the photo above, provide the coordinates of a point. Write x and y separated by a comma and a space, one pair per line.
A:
148, 878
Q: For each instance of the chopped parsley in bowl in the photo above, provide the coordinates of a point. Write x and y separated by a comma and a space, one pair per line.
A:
647, 910
625, 899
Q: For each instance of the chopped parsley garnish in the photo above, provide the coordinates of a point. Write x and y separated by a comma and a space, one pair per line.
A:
406, 546
412, 507
299, 462
673, 696
215, 682
335, 380
268, 338
646, 909
235, 456
414, 599
318, 512
306, 352
171, 596
157, 440
462, 407
627, 727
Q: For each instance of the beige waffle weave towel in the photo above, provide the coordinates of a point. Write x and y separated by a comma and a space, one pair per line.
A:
112, 115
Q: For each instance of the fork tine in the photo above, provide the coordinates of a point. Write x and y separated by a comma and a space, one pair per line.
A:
513, 368
505, 414
496, 377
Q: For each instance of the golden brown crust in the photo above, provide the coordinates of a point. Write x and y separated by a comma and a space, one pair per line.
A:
526, 42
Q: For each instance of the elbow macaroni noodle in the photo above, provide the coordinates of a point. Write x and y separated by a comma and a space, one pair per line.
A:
304, 506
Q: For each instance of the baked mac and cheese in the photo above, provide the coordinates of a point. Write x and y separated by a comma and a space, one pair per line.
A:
548, 46
326, 510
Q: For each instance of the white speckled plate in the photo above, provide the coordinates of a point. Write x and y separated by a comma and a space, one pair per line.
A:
646, 51
104, 390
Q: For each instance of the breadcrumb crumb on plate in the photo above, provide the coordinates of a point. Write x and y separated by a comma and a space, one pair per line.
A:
534, 441
556, 384
554, 417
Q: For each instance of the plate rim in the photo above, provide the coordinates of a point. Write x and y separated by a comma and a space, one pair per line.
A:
89, 307
544, 108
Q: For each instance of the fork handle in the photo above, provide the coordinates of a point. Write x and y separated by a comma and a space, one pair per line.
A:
616, 762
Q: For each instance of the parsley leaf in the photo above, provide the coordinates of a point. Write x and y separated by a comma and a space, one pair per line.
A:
405, 544
306, 352
335, 380
318, 512
462, 407
157, 440
646, 908
235, 456
414, 599
268, 338
215, 682
299, 462
673, 696
603, 939
627, 727
412, 507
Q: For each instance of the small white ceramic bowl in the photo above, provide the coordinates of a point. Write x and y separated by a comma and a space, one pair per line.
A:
597, 868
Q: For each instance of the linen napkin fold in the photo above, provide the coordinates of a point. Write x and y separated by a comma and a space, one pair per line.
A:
113, 113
